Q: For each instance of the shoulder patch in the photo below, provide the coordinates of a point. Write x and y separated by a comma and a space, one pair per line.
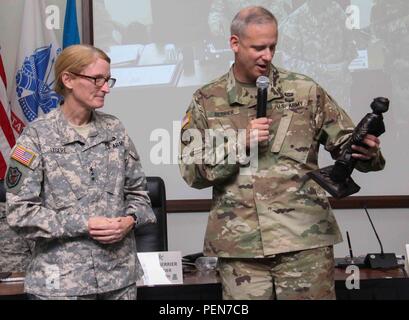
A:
186, 119
23, 155
13, 177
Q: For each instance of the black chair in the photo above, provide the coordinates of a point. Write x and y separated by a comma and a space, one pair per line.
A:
2, 191
154, 237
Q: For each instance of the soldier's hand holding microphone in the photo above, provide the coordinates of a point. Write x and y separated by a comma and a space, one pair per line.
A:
258, 129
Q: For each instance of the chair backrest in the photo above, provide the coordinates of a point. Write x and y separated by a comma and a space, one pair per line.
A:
154, 237
2, 191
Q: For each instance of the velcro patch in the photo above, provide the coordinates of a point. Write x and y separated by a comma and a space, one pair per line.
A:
23, 155
13, 177
220, 113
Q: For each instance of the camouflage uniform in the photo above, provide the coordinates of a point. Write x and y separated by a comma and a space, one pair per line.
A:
127, 293
306, 274
275, 210
15, 252
66, 180
318, 44
390, 23
222, 12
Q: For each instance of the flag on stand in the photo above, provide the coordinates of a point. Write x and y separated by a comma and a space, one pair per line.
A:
7, 139
32, 92
70, 35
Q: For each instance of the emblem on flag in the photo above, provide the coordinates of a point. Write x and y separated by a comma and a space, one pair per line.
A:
23, 155
33, 87
32, 92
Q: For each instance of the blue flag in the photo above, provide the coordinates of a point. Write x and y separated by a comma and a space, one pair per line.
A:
71, 35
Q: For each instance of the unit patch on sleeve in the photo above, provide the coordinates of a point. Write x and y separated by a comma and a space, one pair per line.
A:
13, 177
186, 120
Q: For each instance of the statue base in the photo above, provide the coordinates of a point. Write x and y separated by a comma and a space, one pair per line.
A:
335, 189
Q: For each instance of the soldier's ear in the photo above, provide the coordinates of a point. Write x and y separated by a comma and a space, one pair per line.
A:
66, 79
234, 43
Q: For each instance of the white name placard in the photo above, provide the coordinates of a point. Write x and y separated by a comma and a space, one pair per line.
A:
162, 267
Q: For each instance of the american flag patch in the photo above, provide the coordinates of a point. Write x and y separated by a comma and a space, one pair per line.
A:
23, 155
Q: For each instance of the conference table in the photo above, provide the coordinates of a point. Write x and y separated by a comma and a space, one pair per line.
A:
373, 285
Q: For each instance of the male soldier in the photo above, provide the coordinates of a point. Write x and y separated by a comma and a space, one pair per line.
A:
222, 12
15, 252
315, 41
273, 230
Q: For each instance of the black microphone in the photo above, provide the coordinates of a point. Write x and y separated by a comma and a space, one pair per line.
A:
351, 260
380, 260
2, 191
262, 85
351, 255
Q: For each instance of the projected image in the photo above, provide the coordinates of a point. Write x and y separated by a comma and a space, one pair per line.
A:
348, 47
390, 26
164, 43
354, 49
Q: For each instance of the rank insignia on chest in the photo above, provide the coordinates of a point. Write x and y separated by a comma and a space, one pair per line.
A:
23, 155
289, 94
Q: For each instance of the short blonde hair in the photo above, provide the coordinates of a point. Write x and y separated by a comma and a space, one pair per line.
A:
75, 58
250, 15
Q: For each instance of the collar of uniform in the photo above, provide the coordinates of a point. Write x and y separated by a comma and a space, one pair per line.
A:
238, 94
96, 125
68, 134
98, 133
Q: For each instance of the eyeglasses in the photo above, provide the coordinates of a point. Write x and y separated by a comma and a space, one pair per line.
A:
98, 81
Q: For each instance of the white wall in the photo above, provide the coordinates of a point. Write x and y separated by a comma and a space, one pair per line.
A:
186, 231
392, 226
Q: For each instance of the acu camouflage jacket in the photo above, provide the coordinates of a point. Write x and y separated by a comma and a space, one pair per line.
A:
56, 180
274, 209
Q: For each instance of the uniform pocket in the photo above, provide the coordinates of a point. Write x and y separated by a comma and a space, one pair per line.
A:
64, 180
294, 136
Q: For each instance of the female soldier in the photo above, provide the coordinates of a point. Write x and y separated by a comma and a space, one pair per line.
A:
75, 185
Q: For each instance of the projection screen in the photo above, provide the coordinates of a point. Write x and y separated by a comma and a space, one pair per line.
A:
163, 50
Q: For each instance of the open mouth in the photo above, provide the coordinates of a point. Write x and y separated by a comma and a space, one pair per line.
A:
261, 67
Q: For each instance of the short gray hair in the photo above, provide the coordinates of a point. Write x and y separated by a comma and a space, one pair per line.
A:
250, 15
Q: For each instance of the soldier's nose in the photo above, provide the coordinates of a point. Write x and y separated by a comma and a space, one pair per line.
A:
267, 56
